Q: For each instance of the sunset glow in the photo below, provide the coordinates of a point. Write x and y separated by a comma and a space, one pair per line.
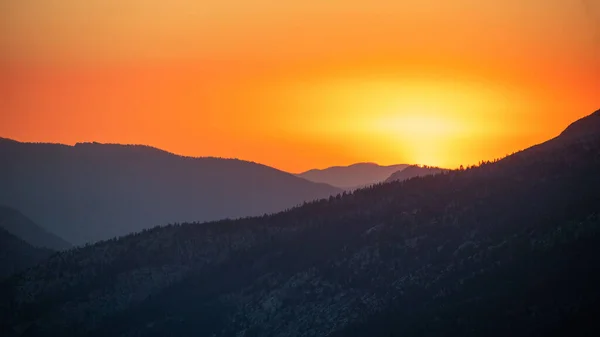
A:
300, 84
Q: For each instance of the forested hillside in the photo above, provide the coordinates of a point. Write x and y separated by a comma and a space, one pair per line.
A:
509, 248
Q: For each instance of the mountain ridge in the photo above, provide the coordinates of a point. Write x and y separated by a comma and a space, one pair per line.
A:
93, 191
506, 248
413, 171
352, 176
583, 127
22, 227
16, 255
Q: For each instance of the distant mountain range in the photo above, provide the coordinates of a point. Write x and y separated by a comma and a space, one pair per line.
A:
91, 191
22, 227
509, 248
413, 171
353, 176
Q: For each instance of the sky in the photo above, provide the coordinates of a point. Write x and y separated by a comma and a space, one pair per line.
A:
300, 84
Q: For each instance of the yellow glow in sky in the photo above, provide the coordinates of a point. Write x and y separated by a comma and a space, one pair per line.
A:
300, 84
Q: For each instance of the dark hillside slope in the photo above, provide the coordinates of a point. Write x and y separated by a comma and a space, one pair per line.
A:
22, 227
585, 127
511, 248
17, 255
91, 191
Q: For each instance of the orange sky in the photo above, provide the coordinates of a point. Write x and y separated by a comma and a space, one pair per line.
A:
300, 84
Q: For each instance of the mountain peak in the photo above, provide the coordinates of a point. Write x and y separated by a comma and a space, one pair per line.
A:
584, 127
93, 191
352, 176
7, 140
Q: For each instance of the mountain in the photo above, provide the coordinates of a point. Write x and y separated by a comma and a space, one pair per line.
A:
509, 248
586, 127
353, 176
17, 255
22, 227
91, 191
413, 171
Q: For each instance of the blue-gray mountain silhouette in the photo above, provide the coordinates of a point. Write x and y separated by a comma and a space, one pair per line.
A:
92, 191
509, 248
353, 176
22, 227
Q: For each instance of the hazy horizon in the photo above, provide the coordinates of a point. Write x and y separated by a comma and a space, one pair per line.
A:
298, 173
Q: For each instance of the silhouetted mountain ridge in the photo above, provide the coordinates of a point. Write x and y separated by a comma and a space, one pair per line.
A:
413, 171
94, 191
587, 126
7, 140
352, 176
147, 150
509, 248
